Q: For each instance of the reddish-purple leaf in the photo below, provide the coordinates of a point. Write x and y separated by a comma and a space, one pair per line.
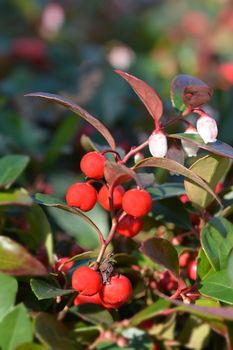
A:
116, 174
175, 167
195, 96
187, 91
147, 95
162, 252
16, 260
79, 111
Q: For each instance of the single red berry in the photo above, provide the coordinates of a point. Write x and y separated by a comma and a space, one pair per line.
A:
103, 197
117, 291
192, 270
86, 281
219, 187
81, 195
92, 165
137, 202
129, 226
62, 265
184, 198
91, 299
184, 259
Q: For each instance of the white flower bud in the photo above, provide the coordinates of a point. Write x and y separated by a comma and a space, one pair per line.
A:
158, 144
207, 128
190, 148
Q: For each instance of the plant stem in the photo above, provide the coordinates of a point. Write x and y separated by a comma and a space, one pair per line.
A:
133, 151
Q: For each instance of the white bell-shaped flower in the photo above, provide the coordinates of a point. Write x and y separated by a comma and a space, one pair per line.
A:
158, 144
190, 148
207, 128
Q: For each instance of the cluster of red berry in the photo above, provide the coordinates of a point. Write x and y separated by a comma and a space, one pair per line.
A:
89, 284
135, 202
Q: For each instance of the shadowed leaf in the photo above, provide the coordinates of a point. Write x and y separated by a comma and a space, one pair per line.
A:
11, 167
45, 290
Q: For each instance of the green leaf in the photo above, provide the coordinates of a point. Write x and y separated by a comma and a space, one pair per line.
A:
149, 312
84, 231
175, 167
162, 252
87, 232
217, 285
166, 190
217, 147
15, 328
45, 290
16, 260
31, 346
94, 314
54, 333
15, 197
217, 242
211, 168
203, 265
8, 290
80, 112
177, 92
11, 167
194, 333
42, 234
64, 133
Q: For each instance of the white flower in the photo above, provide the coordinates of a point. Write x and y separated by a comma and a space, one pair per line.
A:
158, 144
190, 148
207, 128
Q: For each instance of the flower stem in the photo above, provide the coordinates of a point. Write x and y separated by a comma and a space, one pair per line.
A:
133, 151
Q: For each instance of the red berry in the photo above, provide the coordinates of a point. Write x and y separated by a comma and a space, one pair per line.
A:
129, 226
92, 165
103, 198
167, 282
62, 266
81, 195
86, 281
117, 292
192, 270
91, 299
137, 202
184, 259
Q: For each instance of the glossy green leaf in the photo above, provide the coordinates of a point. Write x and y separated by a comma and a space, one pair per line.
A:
178, 86
149, 312
211, 168
8, 290
15, 328
203, 265
15, 197
162, 252
175, 167
217, 147
217, 285
85, 232
80, 112
194, 333
16, 260
217, 242
11, 167
166, 190
45, 290
54, 333
94, 314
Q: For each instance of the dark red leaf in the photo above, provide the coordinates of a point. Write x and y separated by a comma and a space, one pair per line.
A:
196, 96
116, 174
147, 95
79, 111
